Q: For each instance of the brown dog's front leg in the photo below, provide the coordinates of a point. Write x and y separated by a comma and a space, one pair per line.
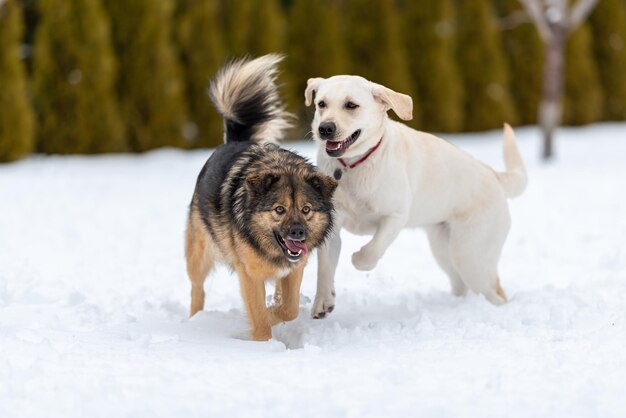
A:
253, 293
290, 295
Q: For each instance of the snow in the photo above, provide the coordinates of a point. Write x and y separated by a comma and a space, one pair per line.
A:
94, 300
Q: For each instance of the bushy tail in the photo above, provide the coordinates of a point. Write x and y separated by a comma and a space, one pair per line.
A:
514, 179
245, 94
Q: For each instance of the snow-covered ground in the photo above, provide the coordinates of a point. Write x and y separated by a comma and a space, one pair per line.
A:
94, 300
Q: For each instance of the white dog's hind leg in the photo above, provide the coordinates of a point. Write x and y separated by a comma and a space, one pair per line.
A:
439, 239
475, 248
327, 260
368, 256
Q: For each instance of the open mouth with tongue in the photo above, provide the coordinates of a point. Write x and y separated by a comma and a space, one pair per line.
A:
294, 250
337, 148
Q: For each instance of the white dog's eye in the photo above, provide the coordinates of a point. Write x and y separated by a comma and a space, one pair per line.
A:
351, 105
321, 103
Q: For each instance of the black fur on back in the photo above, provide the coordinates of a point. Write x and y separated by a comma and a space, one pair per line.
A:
245, 94
225, 205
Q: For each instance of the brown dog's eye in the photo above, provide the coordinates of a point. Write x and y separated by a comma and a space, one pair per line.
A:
279, 210
306, 210
321, 104
351, 105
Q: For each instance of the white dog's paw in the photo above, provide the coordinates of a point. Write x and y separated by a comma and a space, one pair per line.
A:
323, 305
364, 260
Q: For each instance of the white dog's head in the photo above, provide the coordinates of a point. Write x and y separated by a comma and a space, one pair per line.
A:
350, 112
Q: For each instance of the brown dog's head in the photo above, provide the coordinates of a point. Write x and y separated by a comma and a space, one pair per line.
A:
289, 208
350, 112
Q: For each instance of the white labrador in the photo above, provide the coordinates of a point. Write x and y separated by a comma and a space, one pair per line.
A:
394, 177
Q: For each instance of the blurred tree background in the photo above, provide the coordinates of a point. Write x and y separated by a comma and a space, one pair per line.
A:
91, 76
16, 115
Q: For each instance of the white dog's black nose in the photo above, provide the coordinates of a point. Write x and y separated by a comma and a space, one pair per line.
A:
327, 129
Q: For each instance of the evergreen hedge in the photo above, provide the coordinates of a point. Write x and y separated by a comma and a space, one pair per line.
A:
524, 51
322, 55
608, 26
74, 71
201, 45
429, 33
583, 95
150, 84
372, 30
16, 116
120, 75
488, 102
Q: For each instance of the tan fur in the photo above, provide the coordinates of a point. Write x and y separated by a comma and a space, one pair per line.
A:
226, 244
289, 291
200, 253
253, 272
257, 208
500, 291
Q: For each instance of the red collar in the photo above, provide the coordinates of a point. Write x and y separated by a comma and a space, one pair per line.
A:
365, 157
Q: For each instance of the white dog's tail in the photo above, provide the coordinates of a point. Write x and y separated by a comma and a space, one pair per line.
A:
514, 179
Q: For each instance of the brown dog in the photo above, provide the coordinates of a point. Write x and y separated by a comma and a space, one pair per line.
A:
256, 207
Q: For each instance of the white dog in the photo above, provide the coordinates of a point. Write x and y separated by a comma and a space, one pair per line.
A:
393, 177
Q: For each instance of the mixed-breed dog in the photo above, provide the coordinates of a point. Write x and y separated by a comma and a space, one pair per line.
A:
261, 209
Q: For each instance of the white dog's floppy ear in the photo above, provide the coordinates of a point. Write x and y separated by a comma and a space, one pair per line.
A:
312, 85
401, 104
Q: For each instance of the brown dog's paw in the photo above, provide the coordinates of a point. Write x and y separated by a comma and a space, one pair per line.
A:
261, 333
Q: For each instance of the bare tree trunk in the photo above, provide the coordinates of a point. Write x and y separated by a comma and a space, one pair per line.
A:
550, 108
555, 20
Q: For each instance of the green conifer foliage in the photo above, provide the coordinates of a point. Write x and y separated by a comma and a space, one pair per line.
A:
488, 102
253, 27
238, 16
372, 30
202, 53
429, 32
31, 19
584, 98
608, 24
268, 27
150, 85
73, 75
524, 53
322, 55
16, 116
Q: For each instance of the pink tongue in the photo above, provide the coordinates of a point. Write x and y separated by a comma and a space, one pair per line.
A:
332, 146
295, 246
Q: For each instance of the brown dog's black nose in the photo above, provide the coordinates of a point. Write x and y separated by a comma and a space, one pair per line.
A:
327, 130
297, 233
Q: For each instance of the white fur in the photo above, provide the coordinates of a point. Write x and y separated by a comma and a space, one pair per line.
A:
413, 179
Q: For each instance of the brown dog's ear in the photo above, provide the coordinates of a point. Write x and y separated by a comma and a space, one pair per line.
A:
261, 182
312, 85
401, 104
323, 184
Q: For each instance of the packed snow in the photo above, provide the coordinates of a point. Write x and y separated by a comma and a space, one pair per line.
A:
94, 302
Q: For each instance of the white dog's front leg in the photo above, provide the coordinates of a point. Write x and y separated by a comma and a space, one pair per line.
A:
327, 260
367, 257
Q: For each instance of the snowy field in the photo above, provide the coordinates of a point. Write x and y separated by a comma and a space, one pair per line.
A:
94, 301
